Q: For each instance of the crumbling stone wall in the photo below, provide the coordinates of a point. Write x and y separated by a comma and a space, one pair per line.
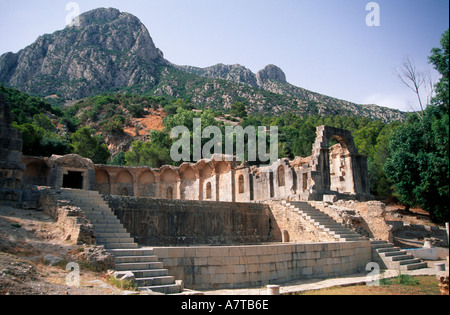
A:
298, 229
11, 168
339, 170
366, 218
72, 221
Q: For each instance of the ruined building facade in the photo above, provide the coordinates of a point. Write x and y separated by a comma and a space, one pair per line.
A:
331, 171
11, 168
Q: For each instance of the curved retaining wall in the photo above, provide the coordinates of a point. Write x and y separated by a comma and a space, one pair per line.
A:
232, 267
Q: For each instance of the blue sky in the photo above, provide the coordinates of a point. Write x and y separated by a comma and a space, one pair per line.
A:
322, 45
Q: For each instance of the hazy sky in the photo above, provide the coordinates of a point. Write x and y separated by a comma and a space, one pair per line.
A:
322, 45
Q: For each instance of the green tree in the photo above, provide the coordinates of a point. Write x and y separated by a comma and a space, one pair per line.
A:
439, 58
238, 109
419, 150
84, 142
41, 120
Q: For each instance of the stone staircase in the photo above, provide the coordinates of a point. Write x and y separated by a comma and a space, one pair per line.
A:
391, 257
323, 222
110, 233
385, 254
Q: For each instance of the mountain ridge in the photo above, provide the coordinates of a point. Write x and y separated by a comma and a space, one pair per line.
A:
112, 51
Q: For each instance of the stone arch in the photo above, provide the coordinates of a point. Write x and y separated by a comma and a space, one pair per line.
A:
326, 133
222, 167
168, 179
36, 173
102, 182
208, 191
355, 165
224, 181
188, 177
205, 176
123, 183
146, 184
241, 184
281, 176
169, 193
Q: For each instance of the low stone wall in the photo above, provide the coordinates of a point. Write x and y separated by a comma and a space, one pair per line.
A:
232, 267
157, 222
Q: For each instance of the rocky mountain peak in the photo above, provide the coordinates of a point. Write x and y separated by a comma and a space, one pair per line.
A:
106, 50
270, 72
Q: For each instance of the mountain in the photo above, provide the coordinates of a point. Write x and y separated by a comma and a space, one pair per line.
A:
107, 50
112, 51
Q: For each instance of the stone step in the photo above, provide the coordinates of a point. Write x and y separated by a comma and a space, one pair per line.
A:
325, 222
327, 225
99, 226
109, 235
155, 281
139, 266
392, 253
122, 240
387, 249
150, 273
354, 235
101, 230
413, 266
354, 239
132, 252
104, 221
318, 218
120, 245
340, 231
399, 257
135, 259
166, 289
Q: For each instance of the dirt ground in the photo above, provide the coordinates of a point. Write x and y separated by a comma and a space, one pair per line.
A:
26, 238
152, 121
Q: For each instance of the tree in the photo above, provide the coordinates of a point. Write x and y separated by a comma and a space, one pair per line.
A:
440, 59
417, 81
419, 150
238, 109
85, 143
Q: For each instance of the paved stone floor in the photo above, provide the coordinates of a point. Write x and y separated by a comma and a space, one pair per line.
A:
315, 284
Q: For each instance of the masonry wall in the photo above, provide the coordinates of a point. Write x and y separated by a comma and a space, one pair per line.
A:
157, 222
232, 267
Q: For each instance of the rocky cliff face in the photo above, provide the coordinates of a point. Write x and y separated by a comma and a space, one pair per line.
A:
238, 74
270, 72
107, 50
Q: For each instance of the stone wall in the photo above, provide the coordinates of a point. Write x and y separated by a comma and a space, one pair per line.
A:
366, 218
75, 228
11, 168
232, 267
158, 222
336, 171
298, 229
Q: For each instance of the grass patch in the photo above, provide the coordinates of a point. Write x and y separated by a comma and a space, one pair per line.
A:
401, 285
123, 284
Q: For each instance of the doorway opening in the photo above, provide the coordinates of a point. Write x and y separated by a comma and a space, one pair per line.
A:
73, 180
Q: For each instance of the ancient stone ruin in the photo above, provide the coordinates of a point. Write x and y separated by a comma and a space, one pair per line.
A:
11, 167
337, 172
215, 223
